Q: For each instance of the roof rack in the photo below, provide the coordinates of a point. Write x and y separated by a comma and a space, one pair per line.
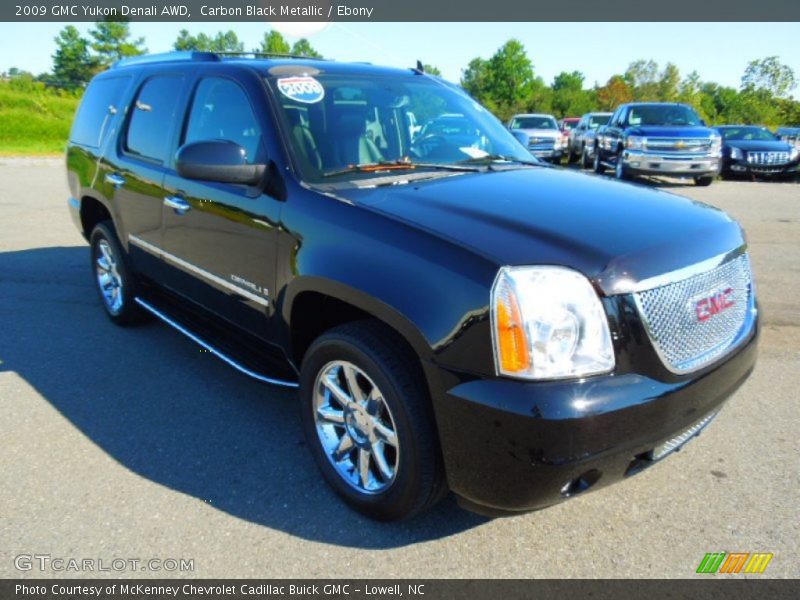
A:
199, 56
254, 54
177, 56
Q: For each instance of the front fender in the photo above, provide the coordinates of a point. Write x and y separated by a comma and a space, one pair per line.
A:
430, 290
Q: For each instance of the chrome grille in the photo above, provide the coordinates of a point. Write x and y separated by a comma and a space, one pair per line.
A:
696, 320
767, 158
541, 143
678, 144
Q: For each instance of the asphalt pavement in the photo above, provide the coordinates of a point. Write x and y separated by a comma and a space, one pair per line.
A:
132, 444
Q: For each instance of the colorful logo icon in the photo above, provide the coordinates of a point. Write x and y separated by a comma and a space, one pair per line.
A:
734, 562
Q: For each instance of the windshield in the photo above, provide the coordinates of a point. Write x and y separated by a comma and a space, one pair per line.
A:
569, 125
663, 114
544, 122
596, 121
747, 133
335, 122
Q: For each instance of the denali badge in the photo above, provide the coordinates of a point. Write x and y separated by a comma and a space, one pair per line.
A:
713, 304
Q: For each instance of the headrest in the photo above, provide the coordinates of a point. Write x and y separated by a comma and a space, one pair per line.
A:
351, 124
294, 117
349, 119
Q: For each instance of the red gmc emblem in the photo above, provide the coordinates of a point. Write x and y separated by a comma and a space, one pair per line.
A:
713, 304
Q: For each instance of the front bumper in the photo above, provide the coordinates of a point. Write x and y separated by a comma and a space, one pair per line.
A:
742, 167
680, 165
548, 154
512, 446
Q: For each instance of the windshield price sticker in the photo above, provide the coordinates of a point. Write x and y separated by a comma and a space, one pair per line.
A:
302, 89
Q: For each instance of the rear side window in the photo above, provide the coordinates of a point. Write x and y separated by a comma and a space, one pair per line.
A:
221, 111
102, 100
151, 117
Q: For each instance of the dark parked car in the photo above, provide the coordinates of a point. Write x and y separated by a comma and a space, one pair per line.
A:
752, 150
581, 139
452, 318
658, 138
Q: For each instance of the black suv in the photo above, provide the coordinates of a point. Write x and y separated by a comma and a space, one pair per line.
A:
456, 314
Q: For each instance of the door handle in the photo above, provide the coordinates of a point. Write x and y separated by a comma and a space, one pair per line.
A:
115, 179
178, 204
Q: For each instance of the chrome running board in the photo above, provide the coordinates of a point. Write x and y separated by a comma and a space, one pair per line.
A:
218, 353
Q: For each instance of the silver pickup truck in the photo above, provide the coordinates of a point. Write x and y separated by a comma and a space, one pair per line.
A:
545, 140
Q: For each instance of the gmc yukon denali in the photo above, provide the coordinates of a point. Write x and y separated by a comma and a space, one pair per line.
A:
651, 138
454, 314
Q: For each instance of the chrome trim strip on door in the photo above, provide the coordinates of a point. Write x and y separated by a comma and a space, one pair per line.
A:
187, 266
153, 310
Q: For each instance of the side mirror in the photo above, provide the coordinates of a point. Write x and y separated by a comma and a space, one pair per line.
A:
703, 123
521, 136
217, 160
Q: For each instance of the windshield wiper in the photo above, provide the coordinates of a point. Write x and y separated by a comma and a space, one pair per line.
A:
499, 158
397, 165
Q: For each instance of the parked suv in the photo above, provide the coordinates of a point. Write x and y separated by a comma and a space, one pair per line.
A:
452, 317
649, 138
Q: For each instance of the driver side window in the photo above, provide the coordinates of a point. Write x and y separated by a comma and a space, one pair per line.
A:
221, 111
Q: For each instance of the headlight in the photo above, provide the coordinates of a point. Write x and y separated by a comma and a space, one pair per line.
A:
716, 143
736, 153
548, 323
636, 142
794, 153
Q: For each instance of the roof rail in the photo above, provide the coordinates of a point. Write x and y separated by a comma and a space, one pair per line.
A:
185, 55
254, 54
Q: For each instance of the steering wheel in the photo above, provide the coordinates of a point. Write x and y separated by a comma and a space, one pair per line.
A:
428, 144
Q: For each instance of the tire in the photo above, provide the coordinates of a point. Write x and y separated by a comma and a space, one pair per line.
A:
368, 356
114, 280
571, 157
703, 181
620, 172
586, 162
598, 165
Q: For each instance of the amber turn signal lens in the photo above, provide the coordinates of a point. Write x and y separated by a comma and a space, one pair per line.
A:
512, 348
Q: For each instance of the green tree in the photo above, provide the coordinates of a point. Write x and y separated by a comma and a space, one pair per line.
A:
274, 43
303, 47
223, 41
227, 41
770, 75
690, 90
568, 96
642, 78
111, 40
432, 70
669, 83
506, 83
73, 66
475, 78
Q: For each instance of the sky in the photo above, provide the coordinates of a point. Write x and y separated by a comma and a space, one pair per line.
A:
718, 51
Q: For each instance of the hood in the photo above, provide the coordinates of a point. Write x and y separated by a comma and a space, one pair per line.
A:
615, 233
672, 131
760, 145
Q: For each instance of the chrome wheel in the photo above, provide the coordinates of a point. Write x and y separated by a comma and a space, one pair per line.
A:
355, 427
108, 278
